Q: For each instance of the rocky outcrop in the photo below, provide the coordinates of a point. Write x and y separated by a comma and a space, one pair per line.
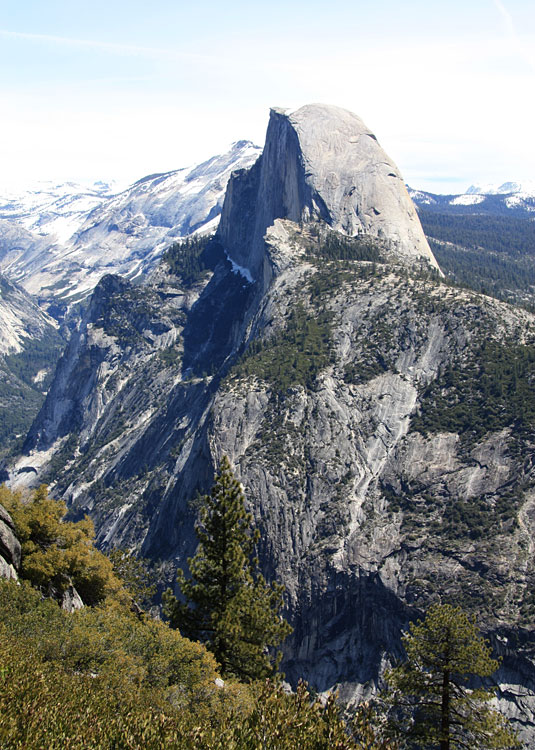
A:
9, 546
380, 422
320, 163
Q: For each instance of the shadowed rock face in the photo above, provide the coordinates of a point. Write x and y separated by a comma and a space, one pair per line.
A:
320, 163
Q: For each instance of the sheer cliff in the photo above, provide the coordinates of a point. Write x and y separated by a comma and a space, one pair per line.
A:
380, 420
320, 163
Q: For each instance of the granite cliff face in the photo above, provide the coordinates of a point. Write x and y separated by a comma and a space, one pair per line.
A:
380, 421
9, 547
320, 163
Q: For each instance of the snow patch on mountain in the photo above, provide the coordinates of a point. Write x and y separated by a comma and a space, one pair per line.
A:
467, 200
421, 198
521, 200
527, 189
58, 241
240, 270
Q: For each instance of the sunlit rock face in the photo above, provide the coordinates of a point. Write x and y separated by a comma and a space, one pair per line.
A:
9, 546
320, 163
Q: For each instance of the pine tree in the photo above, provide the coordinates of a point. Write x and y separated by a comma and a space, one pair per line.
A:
431, 703
228, 604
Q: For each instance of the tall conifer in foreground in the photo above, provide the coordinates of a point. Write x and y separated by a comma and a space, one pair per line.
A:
228, 604
433, 706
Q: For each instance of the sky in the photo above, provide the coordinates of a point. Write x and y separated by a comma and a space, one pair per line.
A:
116, 90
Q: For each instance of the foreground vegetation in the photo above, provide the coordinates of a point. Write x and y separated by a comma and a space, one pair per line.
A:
110, 676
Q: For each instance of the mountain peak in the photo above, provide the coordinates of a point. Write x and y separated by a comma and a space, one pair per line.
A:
506, 188
320, 163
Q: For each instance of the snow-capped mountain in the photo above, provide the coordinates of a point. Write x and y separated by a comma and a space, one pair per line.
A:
510, 197
506, 188
47, 208
58, 244
516, 195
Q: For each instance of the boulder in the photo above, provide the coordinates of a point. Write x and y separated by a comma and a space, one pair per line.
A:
9, 546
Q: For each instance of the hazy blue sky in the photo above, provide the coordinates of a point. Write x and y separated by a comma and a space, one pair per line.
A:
120, 89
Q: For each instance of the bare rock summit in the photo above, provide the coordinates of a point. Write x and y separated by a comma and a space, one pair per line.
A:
320, 163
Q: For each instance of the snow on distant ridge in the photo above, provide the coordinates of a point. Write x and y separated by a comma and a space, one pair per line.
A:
420, 197
515, 196
66, 237
54, 209
467, 199
520, 200
526, 188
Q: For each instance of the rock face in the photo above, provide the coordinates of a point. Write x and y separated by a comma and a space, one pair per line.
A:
71, 600
9, 546
380, 421
21, 319
320, 163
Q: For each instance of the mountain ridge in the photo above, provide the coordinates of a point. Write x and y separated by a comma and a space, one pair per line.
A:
380, 421
485, 199
123, 233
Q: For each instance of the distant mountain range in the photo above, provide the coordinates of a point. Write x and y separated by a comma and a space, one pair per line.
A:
508, 198
57, 241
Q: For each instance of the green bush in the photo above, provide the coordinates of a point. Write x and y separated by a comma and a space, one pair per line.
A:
49, 699
58, 553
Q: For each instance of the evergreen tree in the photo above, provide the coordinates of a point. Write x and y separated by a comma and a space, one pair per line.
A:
228, 604
138, 577
431, 703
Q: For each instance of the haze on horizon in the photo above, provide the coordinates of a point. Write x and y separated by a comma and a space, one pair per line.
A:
120, 90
